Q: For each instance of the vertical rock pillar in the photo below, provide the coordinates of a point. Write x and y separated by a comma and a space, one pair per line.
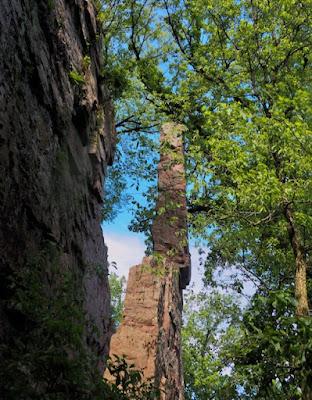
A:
150, 333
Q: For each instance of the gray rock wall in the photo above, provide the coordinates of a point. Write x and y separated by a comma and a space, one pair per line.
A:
56, 138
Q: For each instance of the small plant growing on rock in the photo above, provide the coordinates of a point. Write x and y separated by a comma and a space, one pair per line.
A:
76, 77
128, 383
51, 5
86, 62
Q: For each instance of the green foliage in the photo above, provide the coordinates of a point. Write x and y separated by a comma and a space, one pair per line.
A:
262, 352
116, 79
158, 266
117, 287
275, 348
137, 120
47, 356
96, 269
51, 5
128, 382
207, 317
238, 75
76, 77
86, 62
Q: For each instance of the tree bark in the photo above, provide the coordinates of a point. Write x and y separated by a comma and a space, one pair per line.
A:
301, 293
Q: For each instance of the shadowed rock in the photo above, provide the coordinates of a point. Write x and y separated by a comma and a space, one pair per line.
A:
56, 138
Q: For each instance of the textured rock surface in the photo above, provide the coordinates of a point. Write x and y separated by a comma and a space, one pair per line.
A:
150, 333
56, 138
169, 230
137, 336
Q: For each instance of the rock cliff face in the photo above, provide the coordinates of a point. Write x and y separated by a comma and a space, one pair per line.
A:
150, 333
56, 138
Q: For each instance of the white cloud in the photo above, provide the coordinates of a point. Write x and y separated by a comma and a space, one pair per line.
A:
126, 250
197, 269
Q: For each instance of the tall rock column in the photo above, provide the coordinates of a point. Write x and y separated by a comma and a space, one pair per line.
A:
150, 333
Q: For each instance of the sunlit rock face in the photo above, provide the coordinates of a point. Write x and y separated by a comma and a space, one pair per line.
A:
169, 230
150, 333
56, 139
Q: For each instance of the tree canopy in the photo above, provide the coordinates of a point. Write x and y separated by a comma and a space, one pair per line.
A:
237, 73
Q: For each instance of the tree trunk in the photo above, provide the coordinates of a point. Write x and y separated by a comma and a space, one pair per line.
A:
301, 266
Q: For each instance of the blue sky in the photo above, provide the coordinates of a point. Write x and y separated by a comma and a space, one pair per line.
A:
127, 248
